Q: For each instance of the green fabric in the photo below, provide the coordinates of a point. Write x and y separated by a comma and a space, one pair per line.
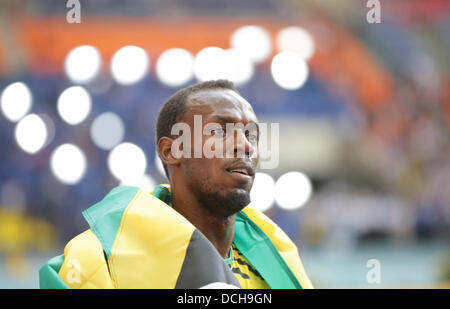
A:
163, 194
104, 217
229, 259
48, 274
257, 247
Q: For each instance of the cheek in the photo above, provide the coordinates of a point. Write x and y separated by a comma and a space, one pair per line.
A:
202, 170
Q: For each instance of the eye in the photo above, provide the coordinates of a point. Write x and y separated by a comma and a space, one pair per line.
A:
253, 138
218, 130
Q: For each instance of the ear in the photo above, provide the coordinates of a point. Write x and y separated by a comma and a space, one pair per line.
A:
169, 155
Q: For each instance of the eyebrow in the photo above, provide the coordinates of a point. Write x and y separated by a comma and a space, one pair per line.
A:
231, 119
227, 119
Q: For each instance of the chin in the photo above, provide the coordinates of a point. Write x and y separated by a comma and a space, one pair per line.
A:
223, 201
235, 201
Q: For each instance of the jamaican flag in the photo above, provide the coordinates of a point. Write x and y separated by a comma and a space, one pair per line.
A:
136, 240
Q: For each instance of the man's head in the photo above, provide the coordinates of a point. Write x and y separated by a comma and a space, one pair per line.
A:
222, 123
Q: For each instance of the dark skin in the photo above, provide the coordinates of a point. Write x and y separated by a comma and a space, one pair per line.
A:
210, 191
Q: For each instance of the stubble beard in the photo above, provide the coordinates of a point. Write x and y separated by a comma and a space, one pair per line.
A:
219, 200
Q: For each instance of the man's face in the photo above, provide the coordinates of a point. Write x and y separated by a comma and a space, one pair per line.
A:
221, 178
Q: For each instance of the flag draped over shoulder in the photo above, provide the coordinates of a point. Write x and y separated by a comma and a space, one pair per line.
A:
136, 240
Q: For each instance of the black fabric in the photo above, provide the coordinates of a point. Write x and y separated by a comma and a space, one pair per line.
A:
203, 265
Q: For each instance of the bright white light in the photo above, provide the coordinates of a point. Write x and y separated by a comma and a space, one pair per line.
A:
68, 163
254, 41
129, 65
50, 127
296, 39
262, 194
242, 68
292, 190
127, 162
145, 183
289, 70
175, 67
82, 64
74, 105
16, 101
31, 133
107, 130
159, 165
212, 63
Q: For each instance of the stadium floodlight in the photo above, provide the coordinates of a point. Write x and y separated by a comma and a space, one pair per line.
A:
107, 130
127, 162
262, 195
82, 64
292, 190
289, 70
129, 65
146, 183
212, 63
16, 101
31, 133
242, 68
254, 40
50, 128
68, 163
296, 39
74, 105
175, 67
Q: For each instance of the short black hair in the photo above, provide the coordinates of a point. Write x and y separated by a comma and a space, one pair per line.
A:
175, 107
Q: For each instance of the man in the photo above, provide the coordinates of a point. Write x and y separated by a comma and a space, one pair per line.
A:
196, 231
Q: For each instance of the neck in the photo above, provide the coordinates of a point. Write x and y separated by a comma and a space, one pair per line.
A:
218, 230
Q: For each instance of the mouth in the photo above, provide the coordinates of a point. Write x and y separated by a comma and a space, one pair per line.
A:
242, 171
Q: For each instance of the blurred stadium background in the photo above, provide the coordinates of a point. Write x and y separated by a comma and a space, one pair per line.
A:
364, 111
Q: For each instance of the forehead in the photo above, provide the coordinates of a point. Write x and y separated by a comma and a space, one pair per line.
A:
222, 102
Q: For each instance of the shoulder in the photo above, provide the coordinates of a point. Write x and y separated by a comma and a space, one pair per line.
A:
281, 241
85, 264
285, 246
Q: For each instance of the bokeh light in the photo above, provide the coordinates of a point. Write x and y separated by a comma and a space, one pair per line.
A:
262, 195
241, 67
146, 183
16, 101
254, 40
107, 130
68, 163
289, 70
216, 63
159, 165
31, 133
212, 63
175, 67
292, 190
82, 64
74, 105
296, 39
50, 127
129, 65
127, 162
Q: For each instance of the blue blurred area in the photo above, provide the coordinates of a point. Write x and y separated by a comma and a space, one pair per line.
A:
138, 105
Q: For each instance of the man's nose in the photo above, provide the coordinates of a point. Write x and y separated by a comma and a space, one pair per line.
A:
243, 147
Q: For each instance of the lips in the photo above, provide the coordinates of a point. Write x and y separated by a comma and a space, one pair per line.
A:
242, 170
